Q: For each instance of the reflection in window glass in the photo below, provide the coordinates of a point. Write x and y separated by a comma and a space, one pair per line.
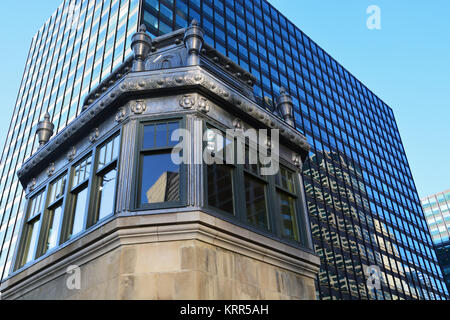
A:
172, 127
161, 136
82, 172
255, 202
289, 222
36, 204
220, 187
54, 214
54, 222
285, 179
31, 240
57, 189
218, 144
32, 228
79, 213
108, 153
160, 179
106, 191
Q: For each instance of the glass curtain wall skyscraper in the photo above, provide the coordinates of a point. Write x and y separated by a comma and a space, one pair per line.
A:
76, 48
437, 213
363, 204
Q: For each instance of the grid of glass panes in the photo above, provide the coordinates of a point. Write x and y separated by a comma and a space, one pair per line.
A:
75, 49
437, 213
339, 115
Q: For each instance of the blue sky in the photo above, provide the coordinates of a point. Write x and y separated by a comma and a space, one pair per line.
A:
406, 63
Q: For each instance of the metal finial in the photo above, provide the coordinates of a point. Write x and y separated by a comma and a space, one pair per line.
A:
193, 39
141, 44
142, 28
44, 129
285, 106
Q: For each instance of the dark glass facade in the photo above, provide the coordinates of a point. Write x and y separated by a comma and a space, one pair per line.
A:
363, 204
437, 214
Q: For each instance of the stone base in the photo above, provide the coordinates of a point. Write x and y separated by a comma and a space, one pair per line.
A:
189, 260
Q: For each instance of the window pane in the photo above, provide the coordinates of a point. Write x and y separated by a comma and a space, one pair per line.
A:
36, 205
79, 213
251, 154
116, 147
160, 179
106, 193
54, 223
82, 172
57, 190
220, 187
149, 137
161, 135
285, 179
32, 236
176, 138
108, 153
255, 202
289, 228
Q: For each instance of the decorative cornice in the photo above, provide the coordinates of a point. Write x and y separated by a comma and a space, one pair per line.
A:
121, 114
138, 106
71, 154
31, 185
195, 78
94, 135
51, 169
203, 105
187, 101
297, 160
238, 124
228, 65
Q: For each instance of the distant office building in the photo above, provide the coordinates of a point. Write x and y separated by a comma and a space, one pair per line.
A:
357, 173
437, 213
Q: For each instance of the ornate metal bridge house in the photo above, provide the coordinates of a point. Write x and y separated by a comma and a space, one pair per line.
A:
111, 215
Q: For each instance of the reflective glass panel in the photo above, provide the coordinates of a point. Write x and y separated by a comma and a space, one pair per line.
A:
255, 202
220, 187
107, 194
79, 213
160, 179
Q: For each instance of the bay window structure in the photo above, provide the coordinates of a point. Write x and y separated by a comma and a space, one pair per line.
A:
266, 202
62, 210
154, 165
